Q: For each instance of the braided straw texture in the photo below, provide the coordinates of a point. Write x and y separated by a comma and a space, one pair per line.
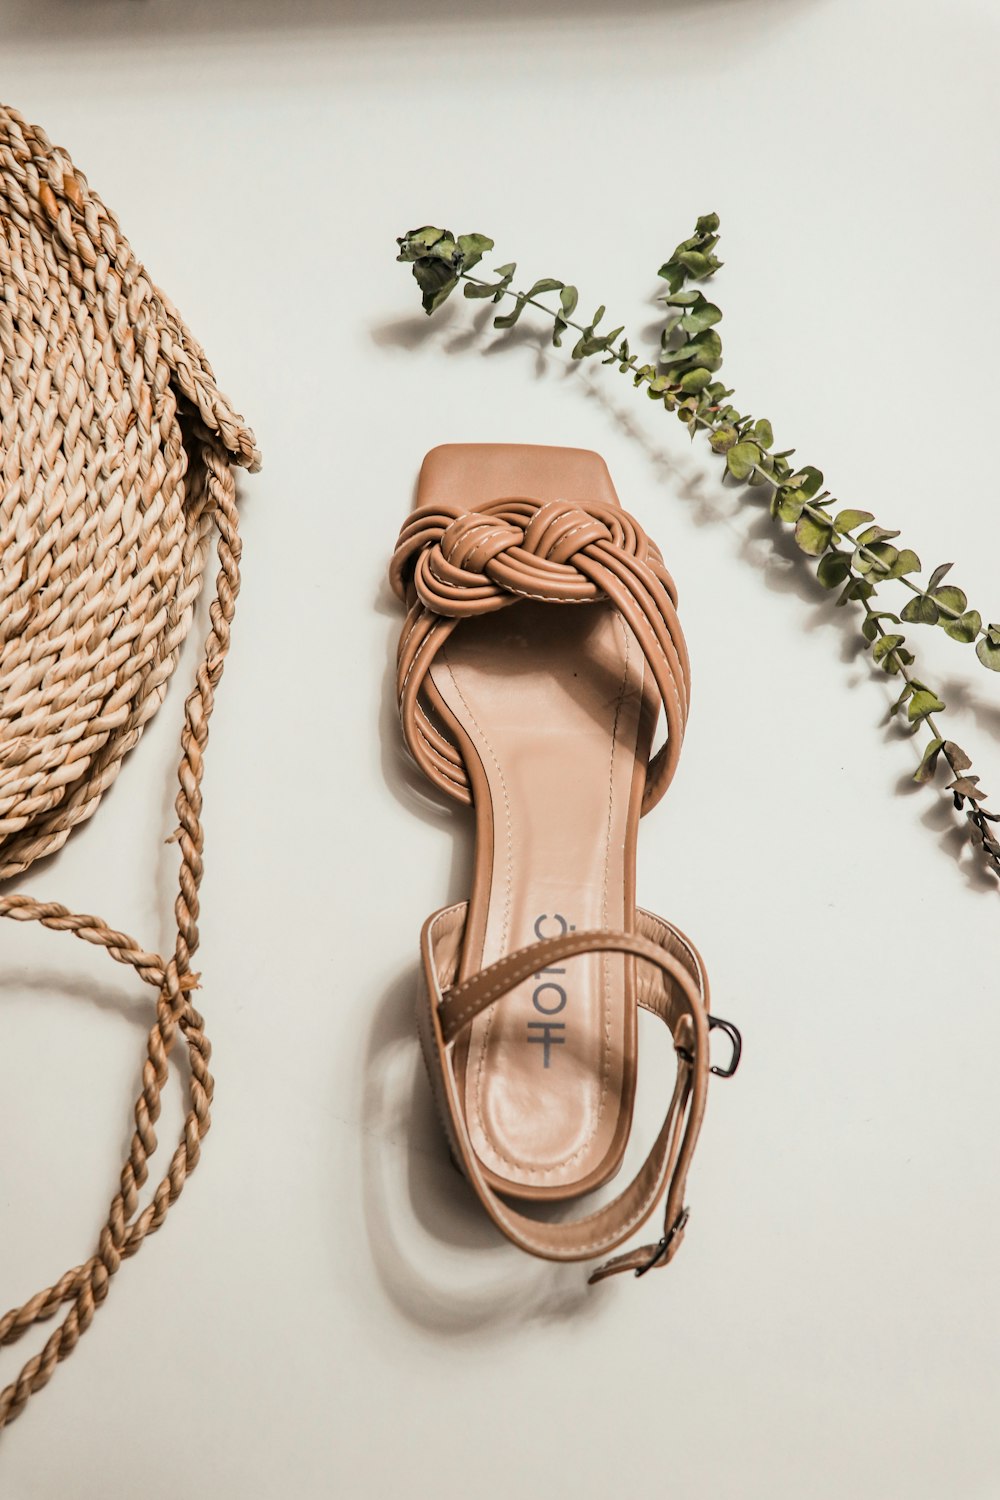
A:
116, 469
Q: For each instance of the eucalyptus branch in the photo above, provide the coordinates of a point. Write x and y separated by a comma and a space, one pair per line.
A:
853, 553
921, 704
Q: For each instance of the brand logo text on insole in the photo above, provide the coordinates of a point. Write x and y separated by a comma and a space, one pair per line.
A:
548, 997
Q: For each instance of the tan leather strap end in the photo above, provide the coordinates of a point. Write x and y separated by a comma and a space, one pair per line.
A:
645, 1257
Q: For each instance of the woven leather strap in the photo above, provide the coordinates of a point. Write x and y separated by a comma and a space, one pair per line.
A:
453, 563
672, 984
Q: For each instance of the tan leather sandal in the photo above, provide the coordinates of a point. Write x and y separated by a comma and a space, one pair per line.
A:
543, 719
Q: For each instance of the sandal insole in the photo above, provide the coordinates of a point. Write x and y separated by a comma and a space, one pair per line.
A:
549, 700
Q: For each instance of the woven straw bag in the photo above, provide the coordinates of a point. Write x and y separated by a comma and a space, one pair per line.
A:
117, 452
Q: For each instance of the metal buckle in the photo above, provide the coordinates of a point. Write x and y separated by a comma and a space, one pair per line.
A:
664, 1245
732, 1032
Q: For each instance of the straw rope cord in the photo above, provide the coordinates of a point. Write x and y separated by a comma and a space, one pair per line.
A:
116, 465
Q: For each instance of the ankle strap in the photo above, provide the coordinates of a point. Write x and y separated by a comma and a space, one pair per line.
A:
672, 984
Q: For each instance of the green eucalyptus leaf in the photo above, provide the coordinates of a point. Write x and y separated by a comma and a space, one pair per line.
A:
796, 498
674, 275
696, 263
701, 314
875, 534
920, 610
886, 646
907, 561
923, 702
568, 298
833, 568
855, 590
424, 239
901, 700
431, 301
507, 320
695, 380
705, 350
937, 576
928, 764
965, 628
723, 438
741, 459
847, 520
813, 536
879, 558
547, 284
787, 505
473, 248
679, 356
436, 280
808, 480
763, 432
952, 598
988, 652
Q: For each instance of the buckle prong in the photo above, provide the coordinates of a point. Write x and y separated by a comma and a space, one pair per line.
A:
661, 1249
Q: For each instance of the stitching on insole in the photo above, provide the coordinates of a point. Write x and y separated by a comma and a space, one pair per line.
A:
606, 957
505, 937
498, 1157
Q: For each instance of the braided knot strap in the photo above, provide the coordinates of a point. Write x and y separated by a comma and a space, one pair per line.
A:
672, 984
117, 452
453, 563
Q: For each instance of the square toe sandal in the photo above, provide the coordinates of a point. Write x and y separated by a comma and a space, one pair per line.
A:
542, 716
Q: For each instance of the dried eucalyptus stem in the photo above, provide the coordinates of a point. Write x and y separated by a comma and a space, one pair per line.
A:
853, 553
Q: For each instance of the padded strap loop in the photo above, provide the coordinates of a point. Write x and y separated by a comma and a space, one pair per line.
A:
676, 991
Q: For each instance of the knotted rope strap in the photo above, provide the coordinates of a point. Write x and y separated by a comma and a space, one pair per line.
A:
116, 455
452, 564
672, 985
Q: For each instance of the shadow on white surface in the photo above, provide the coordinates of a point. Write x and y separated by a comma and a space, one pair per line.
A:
132, 1006
458, 335
438, 1257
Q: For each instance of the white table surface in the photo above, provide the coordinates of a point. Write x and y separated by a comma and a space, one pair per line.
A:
325, 1311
